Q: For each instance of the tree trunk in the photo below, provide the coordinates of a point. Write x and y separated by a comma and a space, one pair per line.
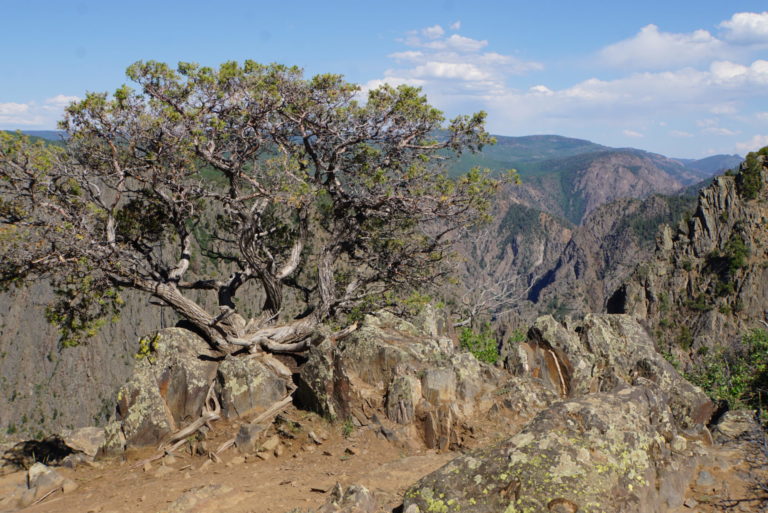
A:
217, 334
273, 288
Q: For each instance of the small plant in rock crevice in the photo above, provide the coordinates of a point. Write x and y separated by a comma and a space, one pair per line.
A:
482, 344
738, 374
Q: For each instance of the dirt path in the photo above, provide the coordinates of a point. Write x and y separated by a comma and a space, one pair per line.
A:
301, 477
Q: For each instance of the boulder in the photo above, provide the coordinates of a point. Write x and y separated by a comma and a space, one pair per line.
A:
167, 389
736, 423
600, 353
395, 376
246, 385
597, 453
355, 499
85, 440
170, 384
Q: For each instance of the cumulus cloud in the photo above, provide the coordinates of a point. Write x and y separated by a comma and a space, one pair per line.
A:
746, 27
741, 36
61, 100
452, 64
433, 32
33, 114
755, 143
715, 76
653, 49
456, 70
13, 109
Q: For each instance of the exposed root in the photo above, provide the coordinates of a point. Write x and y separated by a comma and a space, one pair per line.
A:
341, 334
211, 411
267, 415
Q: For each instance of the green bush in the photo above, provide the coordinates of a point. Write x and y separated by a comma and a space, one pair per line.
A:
481, 343
736, 253
749, 182
738, 375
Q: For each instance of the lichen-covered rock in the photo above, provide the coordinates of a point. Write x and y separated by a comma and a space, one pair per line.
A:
402, 377
168, 387
603, 452
599, 353
86, 440
248, 386
355, 499
172, 380
145, 417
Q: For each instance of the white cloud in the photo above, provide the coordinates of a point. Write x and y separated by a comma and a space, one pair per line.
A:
32, 114
757, 142
453, 64
762, 116
433, 32
464, 44
409, 55
13, 109
652, 49
61, 100
747, 27
675, 77
716, 130
541, 89
456, 70
456, 25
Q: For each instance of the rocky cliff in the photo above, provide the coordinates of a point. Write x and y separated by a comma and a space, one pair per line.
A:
708, 281
45, 388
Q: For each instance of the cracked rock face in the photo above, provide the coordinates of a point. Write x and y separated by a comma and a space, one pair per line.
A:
599, 353
170, 384
416, 385
598, 453
628, 439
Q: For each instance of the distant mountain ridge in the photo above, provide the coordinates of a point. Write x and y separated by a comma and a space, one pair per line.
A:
570, 178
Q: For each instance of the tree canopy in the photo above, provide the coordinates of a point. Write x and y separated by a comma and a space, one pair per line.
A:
294, 184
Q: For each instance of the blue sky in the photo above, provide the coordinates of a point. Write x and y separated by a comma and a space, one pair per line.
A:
682, 78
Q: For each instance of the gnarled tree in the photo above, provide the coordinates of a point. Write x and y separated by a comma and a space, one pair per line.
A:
296, 184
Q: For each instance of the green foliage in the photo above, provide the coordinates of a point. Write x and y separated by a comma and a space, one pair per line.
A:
736, 253
347, 428
749, 181
482, 344
684, 338
646, 224
738, 375
699, 304
84, 304
292, 183
148, 348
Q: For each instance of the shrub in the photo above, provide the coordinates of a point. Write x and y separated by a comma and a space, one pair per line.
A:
738, 375
749, 182
482, 344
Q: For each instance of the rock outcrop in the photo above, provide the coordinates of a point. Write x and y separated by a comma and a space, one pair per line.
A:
414, 386
604, 452
599, 353
172, 382
628, 439
708, 281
